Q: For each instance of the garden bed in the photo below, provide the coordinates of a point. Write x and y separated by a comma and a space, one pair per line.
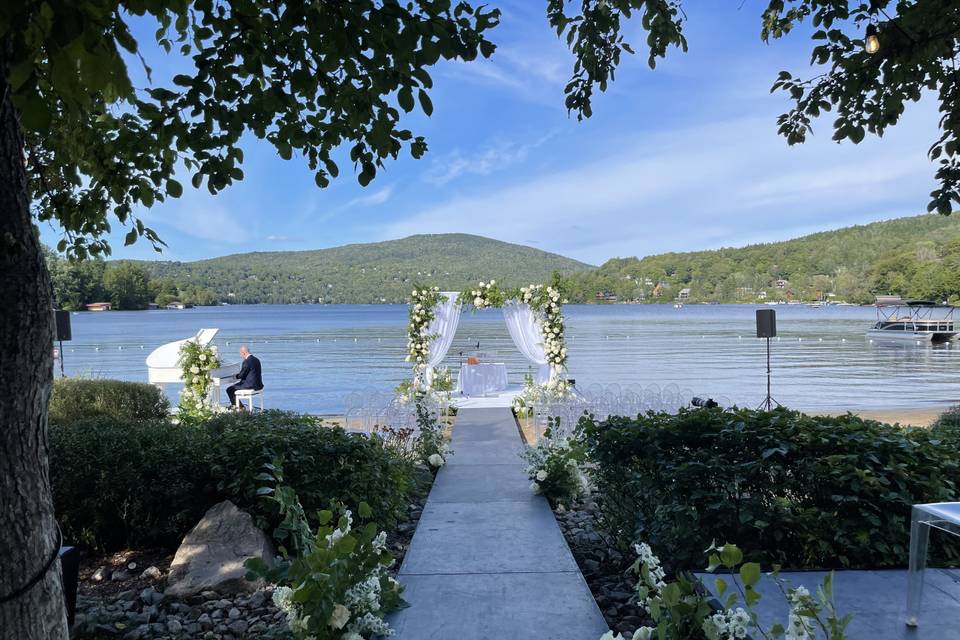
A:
116, 599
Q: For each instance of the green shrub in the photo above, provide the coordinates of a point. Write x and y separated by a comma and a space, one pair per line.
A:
78, 398
948, 424
119, 483
795, 490
320, 463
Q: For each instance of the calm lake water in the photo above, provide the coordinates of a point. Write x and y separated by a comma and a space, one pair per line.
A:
313, 355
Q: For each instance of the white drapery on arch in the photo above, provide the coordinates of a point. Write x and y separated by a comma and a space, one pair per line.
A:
524, 328
446, 318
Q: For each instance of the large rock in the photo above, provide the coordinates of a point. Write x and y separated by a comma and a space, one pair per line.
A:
211, 556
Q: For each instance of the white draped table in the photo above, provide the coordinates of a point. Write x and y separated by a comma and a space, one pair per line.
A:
482, 379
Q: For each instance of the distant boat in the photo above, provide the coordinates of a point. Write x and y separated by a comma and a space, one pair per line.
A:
678, 305
179, 305
917, 320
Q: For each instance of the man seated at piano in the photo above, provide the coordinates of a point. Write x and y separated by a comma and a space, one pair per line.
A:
249, 375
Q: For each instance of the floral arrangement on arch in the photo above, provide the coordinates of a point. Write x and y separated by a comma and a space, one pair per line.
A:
422, 302
546, 301
196, 362
485, 295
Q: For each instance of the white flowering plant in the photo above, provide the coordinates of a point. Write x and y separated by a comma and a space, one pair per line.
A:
431, 445
553, 467
196, 362
554, 390
335, 585
682, 610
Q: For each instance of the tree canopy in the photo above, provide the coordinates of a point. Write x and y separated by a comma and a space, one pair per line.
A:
314, 77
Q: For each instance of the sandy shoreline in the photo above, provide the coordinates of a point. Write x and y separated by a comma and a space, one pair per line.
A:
918, 417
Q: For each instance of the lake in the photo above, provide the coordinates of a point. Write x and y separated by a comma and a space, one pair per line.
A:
314, 354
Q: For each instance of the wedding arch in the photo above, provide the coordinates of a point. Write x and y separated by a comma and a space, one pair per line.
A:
533, 315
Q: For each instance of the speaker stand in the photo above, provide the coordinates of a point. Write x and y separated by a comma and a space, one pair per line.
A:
769, 402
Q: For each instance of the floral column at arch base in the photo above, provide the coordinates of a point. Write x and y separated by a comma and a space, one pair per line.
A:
434, 316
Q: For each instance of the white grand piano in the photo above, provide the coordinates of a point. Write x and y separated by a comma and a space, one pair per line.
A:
163, 364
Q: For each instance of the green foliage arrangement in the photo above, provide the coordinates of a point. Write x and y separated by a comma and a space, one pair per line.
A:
553, 467
75, 399
197, 361
118, 482
682, 610
335, 586
797, 490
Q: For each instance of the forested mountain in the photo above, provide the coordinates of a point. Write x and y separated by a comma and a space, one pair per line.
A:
365, 273
913, 257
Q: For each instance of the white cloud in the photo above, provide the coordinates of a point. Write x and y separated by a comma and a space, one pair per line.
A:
372, 199
723, 183
490, 158
276, 238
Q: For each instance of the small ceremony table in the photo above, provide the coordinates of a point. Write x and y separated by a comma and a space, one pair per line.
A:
482, 379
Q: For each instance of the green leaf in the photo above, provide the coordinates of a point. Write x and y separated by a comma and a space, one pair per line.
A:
425, 102
130, 238
364, 510
174, 188
405, 99
731, 556
750, 573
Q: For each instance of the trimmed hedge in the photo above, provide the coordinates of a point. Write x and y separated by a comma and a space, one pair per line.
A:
119, 483
787, 488
79, 398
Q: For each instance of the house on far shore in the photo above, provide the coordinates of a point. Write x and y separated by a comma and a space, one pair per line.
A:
684, 294
762, 295
98, 306
603, 296
782, 284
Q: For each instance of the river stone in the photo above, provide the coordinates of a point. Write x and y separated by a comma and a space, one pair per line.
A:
211, 556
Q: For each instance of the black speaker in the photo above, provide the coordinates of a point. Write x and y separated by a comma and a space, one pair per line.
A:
766, 323
61, 320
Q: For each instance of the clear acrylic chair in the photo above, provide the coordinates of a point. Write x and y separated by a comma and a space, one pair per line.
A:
944, 516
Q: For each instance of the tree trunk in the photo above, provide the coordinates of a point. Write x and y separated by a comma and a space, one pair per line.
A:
28, 530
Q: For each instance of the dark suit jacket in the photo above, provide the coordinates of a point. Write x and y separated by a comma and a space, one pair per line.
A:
249, 375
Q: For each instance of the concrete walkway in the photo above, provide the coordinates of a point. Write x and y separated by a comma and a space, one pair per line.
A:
488, 560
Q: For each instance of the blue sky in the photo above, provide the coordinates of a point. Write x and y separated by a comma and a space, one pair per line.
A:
681, 158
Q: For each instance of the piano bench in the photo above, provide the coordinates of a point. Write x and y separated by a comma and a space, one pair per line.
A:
249, 395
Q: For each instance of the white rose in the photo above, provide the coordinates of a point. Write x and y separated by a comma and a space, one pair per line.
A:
493, 282
203, 357
339, 617
194, 369
481, 284
436, 460
478, 301
541, 475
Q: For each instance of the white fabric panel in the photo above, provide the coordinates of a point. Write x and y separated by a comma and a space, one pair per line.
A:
443, 326
482, 379
524, 329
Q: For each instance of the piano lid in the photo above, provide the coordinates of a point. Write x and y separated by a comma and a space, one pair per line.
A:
163, 363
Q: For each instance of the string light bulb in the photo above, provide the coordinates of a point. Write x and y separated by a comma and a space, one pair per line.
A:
872, 42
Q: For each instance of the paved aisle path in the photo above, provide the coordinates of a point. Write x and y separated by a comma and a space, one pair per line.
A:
488, 560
